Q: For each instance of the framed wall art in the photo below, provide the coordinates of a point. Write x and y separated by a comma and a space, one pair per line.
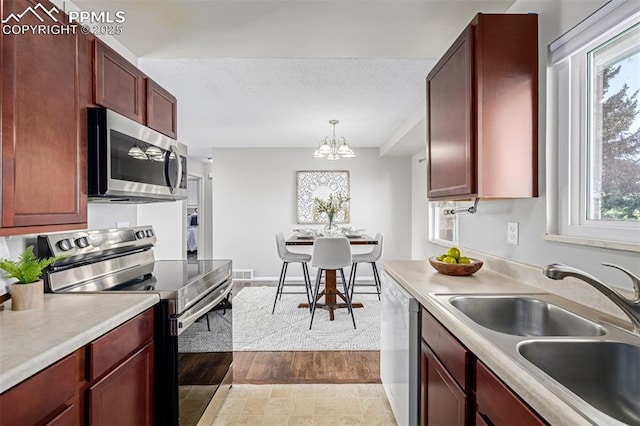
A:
311, 184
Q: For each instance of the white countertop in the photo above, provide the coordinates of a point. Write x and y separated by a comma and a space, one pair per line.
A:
34, 339
420, 279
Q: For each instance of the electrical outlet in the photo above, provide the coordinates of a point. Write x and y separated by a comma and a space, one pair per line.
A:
512, 233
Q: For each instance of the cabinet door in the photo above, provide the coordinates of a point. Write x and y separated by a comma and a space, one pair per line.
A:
69, 417
30, 403
44, 92
443, 401
451, 168
124, 396
499, 404
118, 344
454, 356
162, 109
118, 84
506, 82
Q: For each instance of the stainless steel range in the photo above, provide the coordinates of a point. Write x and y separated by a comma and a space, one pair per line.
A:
193, 319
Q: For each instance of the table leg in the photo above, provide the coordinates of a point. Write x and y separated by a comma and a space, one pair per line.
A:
330, 291
331, 295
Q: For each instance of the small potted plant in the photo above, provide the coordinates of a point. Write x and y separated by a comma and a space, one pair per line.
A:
27, 292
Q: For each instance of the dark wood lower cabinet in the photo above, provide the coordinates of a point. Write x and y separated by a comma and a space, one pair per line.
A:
69, 417
445, 403
457, 389
125, 395
480, 421
498, 404
44, 398
66, 394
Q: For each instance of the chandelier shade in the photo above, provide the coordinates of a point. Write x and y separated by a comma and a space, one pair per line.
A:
333, 148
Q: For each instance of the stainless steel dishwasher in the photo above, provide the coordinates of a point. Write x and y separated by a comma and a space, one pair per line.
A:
399, 351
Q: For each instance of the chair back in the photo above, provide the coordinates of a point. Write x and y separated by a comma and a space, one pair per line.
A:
282, 247
376, 253
331, 253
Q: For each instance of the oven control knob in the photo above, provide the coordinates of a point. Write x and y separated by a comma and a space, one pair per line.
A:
82, 242
65, 244
140, 234
149, 233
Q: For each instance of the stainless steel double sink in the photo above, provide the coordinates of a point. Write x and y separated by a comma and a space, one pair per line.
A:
592, 366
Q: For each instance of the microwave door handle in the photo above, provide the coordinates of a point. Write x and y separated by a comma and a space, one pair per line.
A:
174, 151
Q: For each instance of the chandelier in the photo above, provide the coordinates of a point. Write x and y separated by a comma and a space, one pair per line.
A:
332, 147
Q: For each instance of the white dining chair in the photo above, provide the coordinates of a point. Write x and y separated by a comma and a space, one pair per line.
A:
334, 254
288, 257
372, 257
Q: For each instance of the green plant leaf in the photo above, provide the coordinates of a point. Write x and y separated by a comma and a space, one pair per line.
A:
28, 268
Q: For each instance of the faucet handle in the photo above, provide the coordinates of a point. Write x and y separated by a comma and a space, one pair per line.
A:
634, 278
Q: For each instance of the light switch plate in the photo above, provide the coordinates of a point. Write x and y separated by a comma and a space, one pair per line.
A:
512, 233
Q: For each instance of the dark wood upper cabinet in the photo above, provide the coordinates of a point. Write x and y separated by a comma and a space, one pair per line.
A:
162, 110
118, 84
44, 94
122, 87
482, 112
451, 161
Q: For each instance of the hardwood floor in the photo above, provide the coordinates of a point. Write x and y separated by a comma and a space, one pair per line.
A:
204, 369
306, 367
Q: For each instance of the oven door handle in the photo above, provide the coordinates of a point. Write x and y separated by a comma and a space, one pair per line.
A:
201, 308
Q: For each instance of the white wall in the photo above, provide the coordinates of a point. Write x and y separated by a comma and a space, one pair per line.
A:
169, 221
486, 231
254, 197
419, 208
108, 216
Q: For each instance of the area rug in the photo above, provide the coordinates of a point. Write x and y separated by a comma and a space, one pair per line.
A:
256, 329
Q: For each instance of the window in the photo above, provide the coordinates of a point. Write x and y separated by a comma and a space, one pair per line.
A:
593, 149
443, 227
613, 154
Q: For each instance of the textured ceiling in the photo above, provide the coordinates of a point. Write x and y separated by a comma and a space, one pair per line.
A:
289, 102
273, 73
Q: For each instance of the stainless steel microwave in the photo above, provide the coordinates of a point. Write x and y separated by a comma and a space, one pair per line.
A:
131, 163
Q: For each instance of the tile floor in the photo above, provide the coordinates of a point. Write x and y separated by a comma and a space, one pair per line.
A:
308, 404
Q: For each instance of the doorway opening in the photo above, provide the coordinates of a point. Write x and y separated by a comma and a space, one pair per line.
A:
194, 207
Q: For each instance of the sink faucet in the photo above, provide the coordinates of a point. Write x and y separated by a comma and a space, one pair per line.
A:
558, 271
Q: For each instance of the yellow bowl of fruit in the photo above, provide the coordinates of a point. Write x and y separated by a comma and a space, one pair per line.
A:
453, 263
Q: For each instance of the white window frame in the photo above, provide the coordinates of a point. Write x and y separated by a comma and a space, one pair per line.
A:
436, 211
567, 132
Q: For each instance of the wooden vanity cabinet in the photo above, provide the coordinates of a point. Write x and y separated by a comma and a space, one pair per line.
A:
482, 112
44, 93
446, 376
